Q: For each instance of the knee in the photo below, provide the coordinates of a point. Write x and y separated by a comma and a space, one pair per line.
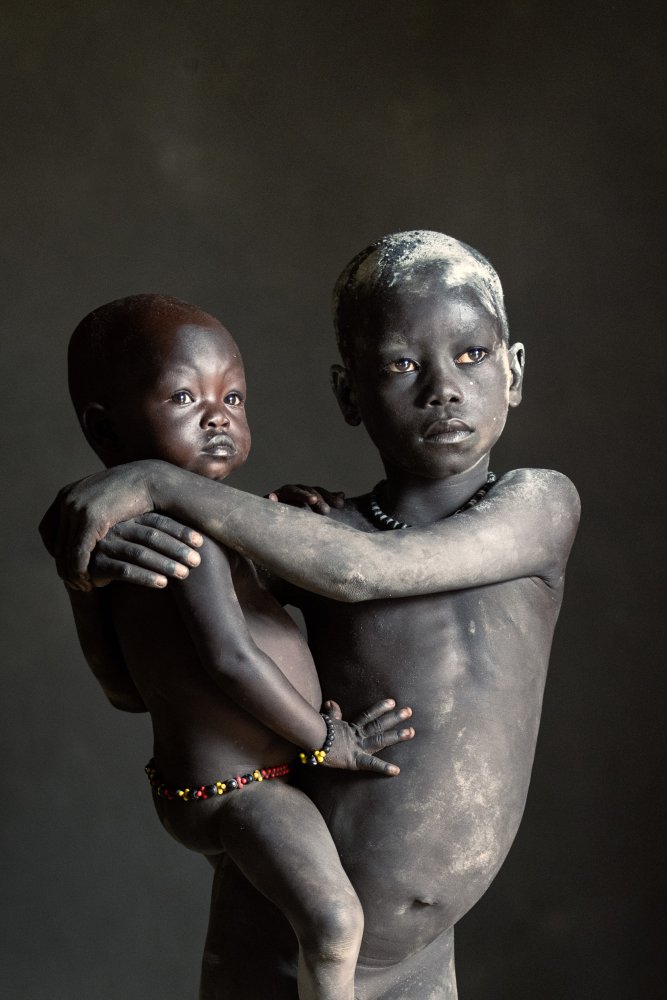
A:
334, 930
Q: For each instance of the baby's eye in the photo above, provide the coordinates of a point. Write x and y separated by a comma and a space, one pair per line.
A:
402, 365
234, 399
472, 356
182, 397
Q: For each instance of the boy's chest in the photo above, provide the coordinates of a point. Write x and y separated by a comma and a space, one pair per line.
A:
423, 645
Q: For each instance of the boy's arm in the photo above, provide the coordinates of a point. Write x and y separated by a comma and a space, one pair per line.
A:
101, 649
217, 626
523, 528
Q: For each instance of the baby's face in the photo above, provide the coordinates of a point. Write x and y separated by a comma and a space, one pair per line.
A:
190, 410
432, 381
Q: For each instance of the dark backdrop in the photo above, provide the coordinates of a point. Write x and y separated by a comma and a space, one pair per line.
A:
236, 155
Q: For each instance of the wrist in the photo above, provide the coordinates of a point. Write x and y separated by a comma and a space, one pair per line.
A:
158, 478
319, 755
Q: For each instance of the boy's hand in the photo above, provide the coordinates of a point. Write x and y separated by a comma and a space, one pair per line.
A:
313, 498
84, 512
355, 743
146, 551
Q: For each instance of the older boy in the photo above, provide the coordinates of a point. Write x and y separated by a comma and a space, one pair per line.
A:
427, 368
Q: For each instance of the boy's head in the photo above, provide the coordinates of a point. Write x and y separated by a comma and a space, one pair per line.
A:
153, 377
422, 330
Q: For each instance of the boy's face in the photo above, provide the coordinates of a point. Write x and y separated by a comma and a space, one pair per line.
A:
189, 406
433, 381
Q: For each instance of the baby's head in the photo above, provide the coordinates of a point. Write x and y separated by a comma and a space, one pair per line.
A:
153, 377
422, 331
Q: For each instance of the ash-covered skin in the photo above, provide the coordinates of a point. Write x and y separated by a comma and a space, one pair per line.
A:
399, 261
469, 640
455, 616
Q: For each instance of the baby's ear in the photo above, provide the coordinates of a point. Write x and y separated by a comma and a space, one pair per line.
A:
98, 428
517, 359
344, 393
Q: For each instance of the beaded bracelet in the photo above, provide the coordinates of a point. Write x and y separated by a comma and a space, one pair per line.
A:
319, 756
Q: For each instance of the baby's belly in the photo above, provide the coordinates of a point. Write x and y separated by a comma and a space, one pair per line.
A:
200, 735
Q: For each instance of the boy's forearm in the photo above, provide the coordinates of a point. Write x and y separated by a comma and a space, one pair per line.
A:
524, 528
309, 551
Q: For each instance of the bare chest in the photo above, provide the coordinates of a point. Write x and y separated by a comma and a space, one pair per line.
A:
493, 639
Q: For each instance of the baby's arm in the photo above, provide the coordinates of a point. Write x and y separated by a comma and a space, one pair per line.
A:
100, 647
217, 625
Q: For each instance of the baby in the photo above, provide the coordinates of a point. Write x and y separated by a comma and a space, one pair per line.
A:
225, 674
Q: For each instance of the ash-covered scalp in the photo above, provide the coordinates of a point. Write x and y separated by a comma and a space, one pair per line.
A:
408, 263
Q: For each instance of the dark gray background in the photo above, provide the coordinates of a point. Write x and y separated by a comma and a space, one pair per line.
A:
237, 155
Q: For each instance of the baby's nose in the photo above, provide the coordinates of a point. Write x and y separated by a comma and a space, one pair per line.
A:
216, 417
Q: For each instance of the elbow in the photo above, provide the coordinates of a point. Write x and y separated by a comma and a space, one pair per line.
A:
353, 588
126, 701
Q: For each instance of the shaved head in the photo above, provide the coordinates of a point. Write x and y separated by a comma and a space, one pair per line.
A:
410, 263
112, 344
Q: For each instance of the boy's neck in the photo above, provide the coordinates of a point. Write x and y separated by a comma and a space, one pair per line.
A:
418, 501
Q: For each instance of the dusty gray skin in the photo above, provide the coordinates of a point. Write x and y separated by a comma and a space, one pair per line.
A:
454, 615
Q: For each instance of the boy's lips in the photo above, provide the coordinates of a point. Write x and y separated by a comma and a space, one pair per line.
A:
220, 446
447, 431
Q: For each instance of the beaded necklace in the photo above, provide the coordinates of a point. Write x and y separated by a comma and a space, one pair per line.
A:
386, 523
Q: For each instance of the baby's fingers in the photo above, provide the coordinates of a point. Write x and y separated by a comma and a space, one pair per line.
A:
314, 498
365, 762
334, 498
374, 712
389, 738
385, 722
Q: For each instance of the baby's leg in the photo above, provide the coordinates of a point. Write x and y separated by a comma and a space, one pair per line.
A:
278, 839
251, 951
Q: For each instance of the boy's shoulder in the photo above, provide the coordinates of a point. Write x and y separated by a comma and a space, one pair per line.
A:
536, 485
541, 484
544, 508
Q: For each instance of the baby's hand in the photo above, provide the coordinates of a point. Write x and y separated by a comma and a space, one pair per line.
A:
313, 498
356, 743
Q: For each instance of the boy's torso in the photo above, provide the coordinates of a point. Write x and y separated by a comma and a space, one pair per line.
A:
422, 848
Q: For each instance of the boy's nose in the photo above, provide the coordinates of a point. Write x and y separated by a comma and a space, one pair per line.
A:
443, 387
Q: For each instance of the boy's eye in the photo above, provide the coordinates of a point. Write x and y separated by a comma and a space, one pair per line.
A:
402, 365
472, 356
233, 399
182, 397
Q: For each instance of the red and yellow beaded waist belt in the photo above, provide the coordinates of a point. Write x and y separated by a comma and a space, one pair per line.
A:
215, 787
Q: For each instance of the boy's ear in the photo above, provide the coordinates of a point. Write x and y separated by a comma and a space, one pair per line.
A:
344, 393
98, 428
517, 359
